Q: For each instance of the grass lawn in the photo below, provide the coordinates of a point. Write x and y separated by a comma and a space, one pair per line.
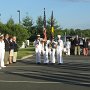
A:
26, 51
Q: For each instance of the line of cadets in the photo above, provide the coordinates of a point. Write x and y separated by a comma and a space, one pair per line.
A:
48, 48
8, 50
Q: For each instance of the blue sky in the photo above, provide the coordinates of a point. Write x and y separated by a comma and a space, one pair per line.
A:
68, 13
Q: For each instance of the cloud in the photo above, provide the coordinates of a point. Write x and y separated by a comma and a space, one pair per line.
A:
77, 0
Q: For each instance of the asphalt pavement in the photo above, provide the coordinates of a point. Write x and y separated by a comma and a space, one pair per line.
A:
73, 74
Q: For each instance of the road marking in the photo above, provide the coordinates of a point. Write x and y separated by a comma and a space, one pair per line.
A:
85, 73
24, 82
24, 66
42, 82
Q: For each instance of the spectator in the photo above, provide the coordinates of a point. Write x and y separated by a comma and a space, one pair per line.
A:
7, 47
85, 47
15, 50
11, 50
77, 45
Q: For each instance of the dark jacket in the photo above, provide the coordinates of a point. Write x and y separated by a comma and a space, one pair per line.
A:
85, 44
11, 45
15, 47
7, 44
77, 42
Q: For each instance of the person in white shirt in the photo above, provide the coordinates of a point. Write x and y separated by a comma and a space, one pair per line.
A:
2, 51
46, 52
37, 44
53, 47
60, 47
68, 46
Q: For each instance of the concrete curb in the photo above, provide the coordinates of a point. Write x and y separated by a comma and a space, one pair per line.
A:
25, 57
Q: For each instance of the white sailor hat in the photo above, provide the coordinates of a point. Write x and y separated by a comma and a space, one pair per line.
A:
38, 35
58, 36
1, 35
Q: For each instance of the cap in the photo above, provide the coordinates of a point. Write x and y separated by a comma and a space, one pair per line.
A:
38, 35
1, 35
58, 36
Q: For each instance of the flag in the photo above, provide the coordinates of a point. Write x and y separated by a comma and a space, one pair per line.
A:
44, 27
52, 26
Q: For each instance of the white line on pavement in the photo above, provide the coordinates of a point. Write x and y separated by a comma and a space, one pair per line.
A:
25, 82
36, 82
23, 66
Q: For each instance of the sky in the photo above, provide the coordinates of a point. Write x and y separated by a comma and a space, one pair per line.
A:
68, 13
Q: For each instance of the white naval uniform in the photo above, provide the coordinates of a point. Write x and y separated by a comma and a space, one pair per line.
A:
46, 52
68, 46
37, 45
59, 51
52, 56
2, 52
42, 48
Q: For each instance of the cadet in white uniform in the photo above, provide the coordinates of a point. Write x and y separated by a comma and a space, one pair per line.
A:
37, 45
53, 46
46, 52
68, 46
42, 46
2, 51
59, 50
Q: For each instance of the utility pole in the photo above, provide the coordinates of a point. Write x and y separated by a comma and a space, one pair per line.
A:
19, 16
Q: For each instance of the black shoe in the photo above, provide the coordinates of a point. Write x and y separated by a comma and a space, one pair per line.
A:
38, 63
45, 63
59, 63
52, 63
14, 62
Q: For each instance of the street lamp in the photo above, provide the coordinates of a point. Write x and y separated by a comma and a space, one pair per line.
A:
0, 16
19, 16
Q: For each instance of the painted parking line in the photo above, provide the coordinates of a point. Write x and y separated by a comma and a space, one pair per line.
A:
40, 82
23, 66
4, 81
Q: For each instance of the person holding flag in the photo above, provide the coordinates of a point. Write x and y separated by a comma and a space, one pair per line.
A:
53, 43
46, 42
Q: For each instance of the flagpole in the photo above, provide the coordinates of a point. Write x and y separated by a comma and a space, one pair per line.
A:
52, 26
44, 26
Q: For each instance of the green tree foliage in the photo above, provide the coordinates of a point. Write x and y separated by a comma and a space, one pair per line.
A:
28, 24
14, 30
39, 26
57, 28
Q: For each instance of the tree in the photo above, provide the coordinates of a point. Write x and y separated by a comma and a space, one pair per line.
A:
39, 26
56, 28
72, 32
20, 32
28, 23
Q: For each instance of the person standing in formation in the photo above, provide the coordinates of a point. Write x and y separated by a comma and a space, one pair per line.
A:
37, 45
52, 56
2, 51
68, 46
60, 47
46, 51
